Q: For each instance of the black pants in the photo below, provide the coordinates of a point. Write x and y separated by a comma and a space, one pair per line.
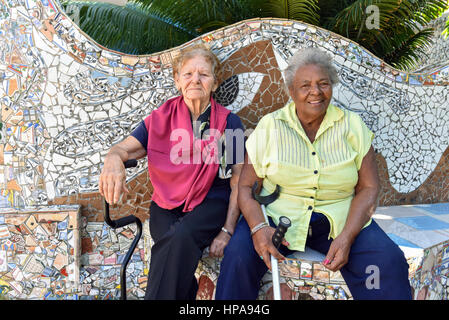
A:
179, 240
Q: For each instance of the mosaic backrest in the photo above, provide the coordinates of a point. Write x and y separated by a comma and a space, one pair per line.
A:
66, 100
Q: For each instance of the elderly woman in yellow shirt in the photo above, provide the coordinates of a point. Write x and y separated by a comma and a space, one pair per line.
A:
322, 159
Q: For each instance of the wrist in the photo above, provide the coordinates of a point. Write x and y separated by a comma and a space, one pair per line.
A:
258, 227
348, 235
223, 229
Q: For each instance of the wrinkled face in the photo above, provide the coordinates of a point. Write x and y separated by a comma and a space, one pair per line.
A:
311, 91
195, 79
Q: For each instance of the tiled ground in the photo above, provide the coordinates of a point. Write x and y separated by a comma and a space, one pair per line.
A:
415, 226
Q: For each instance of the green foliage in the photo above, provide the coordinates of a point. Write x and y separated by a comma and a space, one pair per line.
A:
306, 11
131, 29
401, 35
149, 26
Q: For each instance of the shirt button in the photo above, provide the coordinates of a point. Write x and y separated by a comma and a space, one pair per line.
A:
316, 171
310, 208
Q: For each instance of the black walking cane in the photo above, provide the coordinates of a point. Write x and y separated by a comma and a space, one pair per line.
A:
121, 223
281, 229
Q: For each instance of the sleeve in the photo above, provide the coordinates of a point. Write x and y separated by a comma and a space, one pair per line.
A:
258, 146
361, 138
141, 134
235, 140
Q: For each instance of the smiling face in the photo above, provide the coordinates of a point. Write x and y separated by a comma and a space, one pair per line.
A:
196, 80
311, 92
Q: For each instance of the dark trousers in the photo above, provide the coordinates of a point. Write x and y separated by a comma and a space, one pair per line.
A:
242, 269
179, 240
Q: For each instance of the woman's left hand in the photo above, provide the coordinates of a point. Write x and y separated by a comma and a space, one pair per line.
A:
338, 253
362, 208
218, 244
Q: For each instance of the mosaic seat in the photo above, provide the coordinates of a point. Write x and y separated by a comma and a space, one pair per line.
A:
302, 277
420, 231
66, 100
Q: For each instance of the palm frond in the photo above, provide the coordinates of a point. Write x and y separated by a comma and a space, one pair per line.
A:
399, 36
406, 55
204, 15
129, 29
305, 10
445, 32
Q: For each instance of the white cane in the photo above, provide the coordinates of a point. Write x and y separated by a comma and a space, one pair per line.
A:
284, 224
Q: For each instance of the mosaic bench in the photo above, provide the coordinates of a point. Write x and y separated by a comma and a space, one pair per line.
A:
39, 252
52, 253
302, 277
421, 231
66, 100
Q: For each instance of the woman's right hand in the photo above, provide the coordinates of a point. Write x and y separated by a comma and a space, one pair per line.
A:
112, 183
263, 244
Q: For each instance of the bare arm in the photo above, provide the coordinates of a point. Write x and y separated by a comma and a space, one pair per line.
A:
221, 240
253, 214
361, 210
112, 181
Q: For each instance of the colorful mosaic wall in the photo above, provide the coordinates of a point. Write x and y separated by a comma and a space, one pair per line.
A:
40, 253
431, 273
65, 101
52, 253
103, 251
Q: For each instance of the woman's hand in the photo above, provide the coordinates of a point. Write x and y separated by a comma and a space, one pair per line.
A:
112, 183
361, 210
338, 253
218, 244
263, 244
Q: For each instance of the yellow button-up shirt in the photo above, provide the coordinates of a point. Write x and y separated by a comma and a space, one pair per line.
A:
319, 176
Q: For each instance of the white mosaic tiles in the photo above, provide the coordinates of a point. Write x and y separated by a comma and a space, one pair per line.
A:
66, 100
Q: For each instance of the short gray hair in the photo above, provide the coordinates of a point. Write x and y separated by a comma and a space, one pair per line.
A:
308, 56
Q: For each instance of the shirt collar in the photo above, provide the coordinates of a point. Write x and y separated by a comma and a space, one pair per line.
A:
288, 114
202, 123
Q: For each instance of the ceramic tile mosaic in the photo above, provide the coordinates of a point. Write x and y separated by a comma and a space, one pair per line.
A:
52, 253
415, 226
65, 100
40, 253
419, 230
302, 273
422, 232
103, 251
430, 273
